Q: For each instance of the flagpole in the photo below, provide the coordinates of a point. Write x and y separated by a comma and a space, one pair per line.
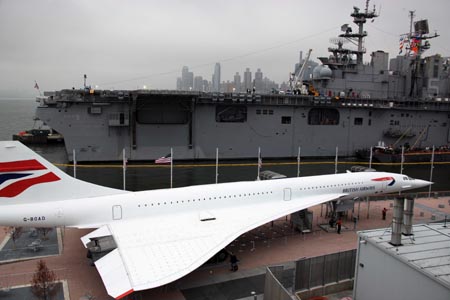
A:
74, 164
217, 165
370, 158
402, 159
431, 172
259, 162
298, 161
171, 167
336, 161
124, 167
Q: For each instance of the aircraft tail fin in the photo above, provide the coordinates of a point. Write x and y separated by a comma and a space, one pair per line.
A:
25, 176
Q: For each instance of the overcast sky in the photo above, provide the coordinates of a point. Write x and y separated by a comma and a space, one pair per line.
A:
128, 44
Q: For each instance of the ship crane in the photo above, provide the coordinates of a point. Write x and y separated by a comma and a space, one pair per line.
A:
296, 79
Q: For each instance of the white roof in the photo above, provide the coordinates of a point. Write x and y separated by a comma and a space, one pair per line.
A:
427, 251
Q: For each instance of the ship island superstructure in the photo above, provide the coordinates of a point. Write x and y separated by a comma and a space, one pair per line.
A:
354, 105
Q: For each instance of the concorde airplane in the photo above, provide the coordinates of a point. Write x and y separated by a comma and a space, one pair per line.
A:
162, 235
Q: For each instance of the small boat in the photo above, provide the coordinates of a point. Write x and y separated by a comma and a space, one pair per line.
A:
385, 154
40, 135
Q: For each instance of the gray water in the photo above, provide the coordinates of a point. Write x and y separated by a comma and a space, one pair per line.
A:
17, 115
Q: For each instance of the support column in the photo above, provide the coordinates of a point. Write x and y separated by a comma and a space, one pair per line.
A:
397, 221
408, 217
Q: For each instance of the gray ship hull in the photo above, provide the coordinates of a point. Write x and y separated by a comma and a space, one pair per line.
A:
147, 124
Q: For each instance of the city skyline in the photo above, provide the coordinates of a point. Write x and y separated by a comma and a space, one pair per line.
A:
259, 84
125, 45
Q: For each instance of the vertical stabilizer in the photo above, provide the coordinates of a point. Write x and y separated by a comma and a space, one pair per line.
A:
26, 177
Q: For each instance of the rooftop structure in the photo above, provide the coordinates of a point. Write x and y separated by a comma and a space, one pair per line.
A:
417, 269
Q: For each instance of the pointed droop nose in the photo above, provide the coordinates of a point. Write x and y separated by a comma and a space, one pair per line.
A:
421, 183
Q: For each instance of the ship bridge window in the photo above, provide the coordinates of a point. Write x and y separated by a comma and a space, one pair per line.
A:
323, 116
285, 120
231, 113
358, 121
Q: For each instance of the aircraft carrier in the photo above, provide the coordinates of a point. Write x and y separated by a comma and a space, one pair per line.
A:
345, 103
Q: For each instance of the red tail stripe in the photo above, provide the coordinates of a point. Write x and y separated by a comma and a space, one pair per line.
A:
18, 187
21, 165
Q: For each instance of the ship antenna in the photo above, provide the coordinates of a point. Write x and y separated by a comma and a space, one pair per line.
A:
375, 12
411, 21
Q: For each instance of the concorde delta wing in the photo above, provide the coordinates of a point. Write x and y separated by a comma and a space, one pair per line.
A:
155, 251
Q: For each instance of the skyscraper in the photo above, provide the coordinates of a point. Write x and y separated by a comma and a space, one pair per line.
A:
187, 79
248, 85
237, 82
259, 81
216, 78
198, 84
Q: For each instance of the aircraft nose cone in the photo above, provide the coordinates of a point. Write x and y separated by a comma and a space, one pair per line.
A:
422, 183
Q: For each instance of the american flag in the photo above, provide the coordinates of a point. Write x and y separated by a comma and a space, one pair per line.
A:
164, 160
259, 160
124, 160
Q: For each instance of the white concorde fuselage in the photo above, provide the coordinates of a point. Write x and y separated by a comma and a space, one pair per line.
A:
162, 235
93, 212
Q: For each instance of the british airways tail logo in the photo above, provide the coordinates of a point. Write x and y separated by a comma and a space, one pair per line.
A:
391, 179
17, 176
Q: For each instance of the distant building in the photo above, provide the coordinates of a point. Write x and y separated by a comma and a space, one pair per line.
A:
187, 79
216, 78
269, 85
284, 86
259, 81
179, 84
237, 82
248, 79
198, 84
227, 87
206, 85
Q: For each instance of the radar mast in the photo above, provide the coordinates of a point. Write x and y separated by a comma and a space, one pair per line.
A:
342, 57
416, 42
